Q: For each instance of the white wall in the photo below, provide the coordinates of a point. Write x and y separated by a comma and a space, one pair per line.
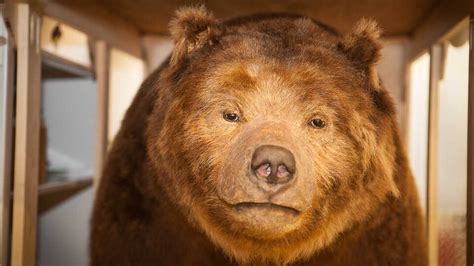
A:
63, 232
418, 123
391, 69
69, 110
452, 128
126, 74
157, 48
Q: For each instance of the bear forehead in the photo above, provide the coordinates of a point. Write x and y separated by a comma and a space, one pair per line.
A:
266, 74
269, 86
303, 81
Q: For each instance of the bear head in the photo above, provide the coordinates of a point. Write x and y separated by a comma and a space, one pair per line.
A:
272, 133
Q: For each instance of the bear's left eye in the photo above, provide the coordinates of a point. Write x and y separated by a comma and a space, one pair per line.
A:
231, 117
317, 123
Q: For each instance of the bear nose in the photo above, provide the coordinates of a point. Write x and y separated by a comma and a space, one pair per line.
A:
273, 164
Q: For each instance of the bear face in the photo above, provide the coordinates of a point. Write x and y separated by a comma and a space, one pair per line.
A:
272, 135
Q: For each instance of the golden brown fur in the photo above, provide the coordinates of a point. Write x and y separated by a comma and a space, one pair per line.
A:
164, 198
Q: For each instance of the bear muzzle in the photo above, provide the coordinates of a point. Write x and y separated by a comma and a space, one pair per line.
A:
264, 188
273, 165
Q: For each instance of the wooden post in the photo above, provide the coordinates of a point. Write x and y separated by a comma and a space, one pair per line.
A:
28, 103
102, 64
470, 151
432, 187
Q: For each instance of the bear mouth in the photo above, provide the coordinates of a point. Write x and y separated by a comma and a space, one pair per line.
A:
266, 217
266, 206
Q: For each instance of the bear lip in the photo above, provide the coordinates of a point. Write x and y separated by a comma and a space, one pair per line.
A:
267, 205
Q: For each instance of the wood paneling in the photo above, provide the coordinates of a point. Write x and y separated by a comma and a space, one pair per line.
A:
28, 99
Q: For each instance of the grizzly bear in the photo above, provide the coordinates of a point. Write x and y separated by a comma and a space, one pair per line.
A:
262, 140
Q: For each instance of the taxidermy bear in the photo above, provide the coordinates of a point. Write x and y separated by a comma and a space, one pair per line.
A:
266, 139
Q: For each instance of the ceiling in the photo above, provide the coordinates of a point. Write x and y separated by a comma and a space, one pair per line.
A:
396, 17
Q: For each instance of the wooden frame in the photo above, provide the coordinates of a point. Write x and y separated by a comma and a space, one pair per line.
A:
27, 137
28, 197
426, 38
432, 173
470, 152
443, 18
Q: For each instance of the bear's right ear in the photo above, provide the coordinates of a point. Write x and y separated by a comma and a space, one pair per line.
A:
191, 29
362, 46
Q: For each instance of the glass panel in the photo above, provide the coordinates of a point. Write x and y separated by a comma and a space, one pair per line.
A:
418, 123
452, 149
65, 42
126, 74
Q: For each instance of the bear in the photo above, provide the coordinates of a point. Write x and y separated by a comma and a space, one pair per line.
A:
267, 139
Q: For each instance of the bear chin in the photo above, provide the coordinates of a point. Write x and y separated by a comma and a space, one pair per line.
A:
261, 235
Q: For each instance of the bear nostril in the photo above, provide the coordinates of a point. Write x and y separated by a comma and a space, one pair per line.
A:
273, 164
282, 171
264, 170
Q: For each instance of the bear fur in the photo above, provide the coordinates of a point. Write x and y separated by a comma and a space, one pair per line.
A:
177, 167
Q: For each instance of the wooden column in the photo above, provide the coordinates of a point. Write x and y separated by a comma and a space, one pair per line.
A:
28, 100
432, 187
102, 64
470, 152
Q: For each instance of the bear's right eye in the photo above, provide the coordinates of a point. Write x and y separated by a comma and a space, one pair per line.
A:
231, 117
317, 123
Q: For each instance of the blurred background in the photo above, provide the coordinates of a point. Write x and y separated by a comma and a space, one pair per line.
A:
70, 68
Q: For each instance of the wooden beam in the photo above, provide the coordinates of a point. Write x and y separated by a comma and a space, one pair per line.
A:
102, 73
470, 152
432, 186
26, 165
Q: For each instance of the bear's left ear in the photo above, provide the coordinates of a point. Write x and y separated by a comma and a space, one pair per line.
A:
362, 46
191, 29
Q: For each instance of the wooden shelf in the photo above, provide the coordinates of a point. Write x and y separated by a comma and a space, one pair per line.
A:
54, 66
52, 194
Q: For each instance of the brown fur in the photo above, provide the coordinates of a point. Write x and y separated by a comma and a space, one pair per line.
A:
160, 198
